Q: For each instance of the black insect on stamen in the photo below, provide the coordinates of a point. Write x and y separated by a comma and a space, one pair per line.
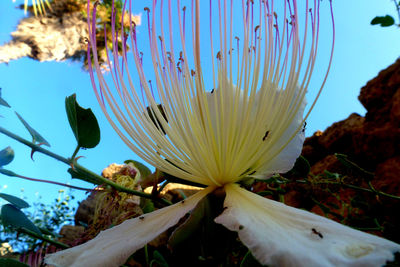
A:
317, 233
266, 135
304, 127
212, 91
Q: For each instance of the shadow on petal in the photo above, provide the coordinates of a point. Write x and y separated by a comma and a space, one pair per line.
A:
112, 247
280, 235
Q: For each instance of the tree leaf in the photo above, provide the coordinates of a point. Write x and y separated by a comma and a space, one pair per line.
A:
36, 137
84, 176
16, 201
383, 21
159, 259
301, 167
192, 223
144, 171
12, 216
3, 102
12, 263
6, 156
83, 123
249, 261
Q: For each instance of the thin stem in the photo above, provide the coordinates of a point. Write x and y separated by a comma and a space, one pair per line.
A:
398, 9
75, 152
82, 170
372, 190
34, 146
13, 174
41, 237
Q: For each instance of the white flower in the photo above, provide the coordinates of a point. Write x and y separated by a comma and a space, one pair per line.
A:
250, 124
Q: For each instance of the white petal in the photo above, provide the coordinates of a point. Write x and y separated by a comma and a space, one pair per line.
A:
112, 247
279, 235
284, 161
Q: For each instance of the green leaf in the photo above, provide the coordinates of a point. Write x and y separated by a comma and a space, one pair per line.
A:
36, 137
3, 102
185, 230
12, 216
85, 176
147, 206
144, 171
6, 156
8, 173
301, 167
249, 261
83, 123
383, 21
12, 263
16, 201
159, 259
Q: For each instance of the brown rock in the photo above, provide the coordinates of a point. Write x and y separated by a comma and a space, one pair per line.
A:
329, 163
338, 137
70, 233
85, 212
379, 91
374, 144
312, 150
388, 176
395, 110
377, 95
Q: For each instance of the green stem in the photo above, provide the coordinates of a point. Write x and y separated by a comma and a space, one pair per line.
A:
372, 190
34, 146
397, 8
41, 237
146, 253
98, 178
75, 152
13, 174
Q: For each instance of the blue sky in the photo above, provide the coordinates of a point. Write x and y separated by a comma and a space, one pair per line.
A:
38, 90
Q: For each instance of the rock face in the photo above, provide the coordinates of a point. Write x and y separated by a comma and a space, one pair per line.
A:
371, 142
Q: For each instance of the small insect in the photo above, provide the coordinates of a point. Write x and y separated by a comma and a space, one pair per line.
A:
212, 91
317, 233
266, 135
183, 201
141, 217
304, 127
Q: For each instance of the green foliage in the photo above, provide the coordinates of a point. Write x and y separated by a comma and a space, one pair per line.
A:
383, 21
15, 218
16, 201
158, 259
249, 261
144, 171
36, 137
83, 123
3, 102
198, 218
48, 219
6, 156
12, 263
